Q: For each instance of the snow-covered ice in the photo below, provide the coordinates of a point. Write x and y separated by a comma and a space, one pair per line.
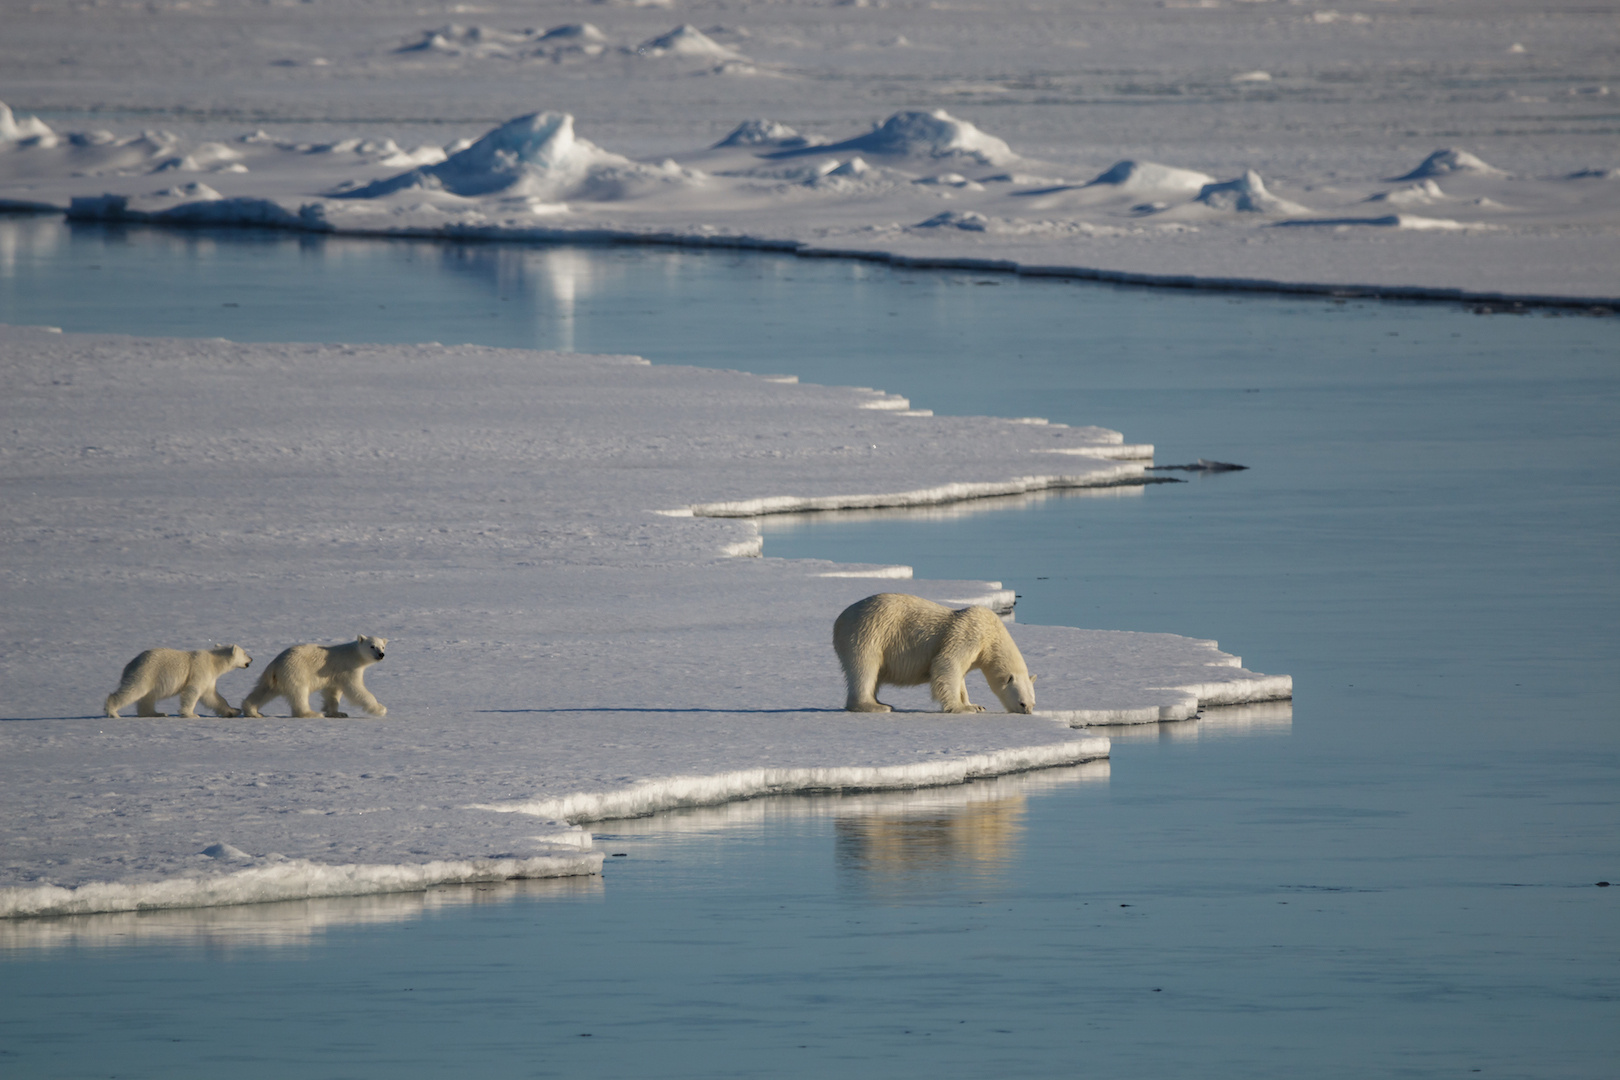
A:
865, 127
557, 548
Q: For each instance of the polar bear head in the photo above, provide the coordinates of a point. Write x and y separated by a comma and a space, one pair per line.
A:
371, 647
1015, 688
232, 656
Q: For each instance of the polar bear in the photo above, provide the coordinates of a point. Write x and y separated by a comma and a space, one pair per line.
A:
162, 673
905, 640
333, 670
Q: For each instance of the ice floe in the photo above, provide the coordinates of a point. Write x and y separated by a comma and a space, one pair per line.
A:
550, 542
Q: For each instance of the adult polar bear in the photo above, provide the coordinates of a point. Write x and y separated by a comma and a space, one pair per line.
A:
333, 670
902, 640
162, 673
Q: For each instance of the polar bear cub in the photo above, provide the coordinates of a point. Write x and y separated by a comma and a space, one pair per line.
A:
162, 673
333, 670
901, 640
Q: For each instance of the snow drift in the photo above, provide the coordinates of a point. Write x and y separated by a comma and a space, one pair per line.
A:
536, 156
935, 134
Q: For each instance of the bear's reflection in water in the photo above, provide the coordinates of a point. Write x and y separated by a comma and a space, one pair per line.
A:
919, 842
980, 840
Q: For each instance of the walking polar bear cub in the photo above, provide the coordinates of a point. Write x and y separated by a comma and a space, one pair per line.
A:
333, 670
901, 640
162, 673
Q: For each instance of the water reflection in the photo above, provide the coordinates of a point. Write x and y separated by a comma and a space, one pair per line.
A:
887, 844
278, 925
1260, 718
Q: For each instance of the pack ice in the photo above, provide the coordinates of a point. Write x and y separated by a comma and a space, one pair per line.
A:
563, 554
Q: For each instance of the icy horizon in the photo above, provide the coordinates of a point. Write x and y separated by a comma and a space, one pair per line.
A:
1455, 151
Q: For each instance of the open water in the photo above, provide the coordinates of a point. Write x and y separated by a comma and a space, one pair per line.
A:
1395, 877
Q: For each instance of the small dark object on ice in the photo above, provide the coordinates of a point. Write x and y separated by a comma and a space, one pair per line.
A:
1201, 465
1603, 884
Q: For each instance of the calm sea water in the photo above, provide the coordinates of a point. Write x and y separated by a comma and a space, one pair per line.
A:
1396, 877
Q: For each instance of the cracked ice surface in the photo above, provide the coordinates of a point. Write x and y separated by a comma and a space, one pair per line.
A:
568, 639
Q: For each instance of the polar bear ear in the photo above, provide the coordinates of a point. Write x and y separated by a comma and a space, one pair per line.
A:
1033, 676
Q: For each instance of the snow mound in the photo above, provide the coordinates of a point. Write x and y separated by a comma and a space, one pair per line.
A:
968, 220
1132, 177
935, 134
687, 40
1420, 194
1446, 162
13, 130
457, 40
763, 132
1246, 195
537, 157
206, 157
484, 42
582, 39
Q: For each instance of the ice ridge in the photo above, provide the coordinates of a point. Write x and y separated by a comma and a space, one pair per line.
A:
675, 792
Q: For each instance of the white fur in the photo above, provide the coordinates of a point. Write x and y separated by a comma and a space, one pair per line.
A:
333, 670
162, 673
899, 640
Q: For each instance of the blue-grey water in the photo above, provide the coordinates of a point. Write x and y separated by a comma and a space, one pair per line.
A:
1396, 878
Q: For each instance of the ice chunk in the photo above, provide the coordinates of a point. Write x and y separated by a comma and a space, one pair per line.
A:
13, 130
970, 220
1150, 177
1446, 162
574, 32
535, 156
1420, 194
1246, 195
763, 133
935, 134
687, 40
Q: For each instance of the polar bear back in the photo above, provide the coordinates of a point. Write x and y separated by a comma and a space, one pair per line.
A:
906, 634
165, 672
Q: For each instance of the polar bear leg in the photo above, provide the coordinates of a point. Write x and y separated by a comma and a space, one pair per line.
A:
329, 703
261, 695
216, 701
147, 706
948, 685
355, 690
297, 695
118, 699
861, 675
188, 702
